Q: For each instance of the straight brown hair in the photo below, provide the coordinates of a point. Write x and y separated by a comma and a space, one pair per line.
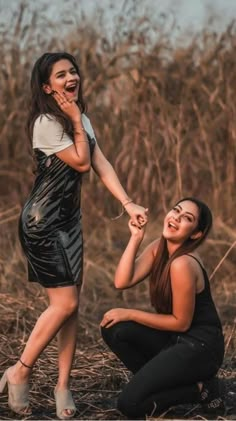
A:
160, 282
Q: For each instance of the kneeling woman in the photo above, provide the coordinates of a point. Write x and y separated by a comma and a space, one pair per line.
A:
175, 352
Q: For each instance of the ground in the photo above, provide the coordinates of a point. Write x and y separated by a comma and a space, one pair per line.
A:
97, 377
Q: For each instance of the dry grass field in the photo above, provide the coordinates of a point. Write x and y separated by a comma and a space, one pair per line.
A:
165, 116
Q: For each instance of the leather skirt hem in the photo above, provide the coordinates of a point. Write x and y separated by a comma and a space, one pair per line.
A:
57, 284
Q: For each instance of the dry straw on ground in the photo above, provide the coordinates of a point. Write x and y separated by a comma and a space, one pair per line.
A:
166, 117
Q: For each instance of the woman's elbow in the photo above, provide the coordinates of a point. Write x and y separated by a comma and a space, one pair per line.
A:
84, 167
118, 285
184, 326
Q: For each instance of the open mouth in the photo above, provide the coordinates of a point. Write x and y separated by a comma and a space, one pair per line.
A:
71, 89
172, 225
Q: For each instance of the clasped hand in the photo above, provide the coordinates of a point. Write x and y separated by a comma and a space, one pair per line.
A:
138, 214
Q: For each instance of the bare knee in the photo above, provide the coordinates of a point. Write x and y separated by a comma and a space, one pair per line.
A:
70, 307
66, 300
66, 310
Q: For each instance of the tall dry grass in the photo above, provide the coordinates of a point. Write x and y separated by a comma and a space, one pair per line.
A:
164, 115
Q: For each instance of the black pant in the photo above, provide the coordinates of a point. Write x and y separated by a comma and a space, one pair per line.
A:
166, 367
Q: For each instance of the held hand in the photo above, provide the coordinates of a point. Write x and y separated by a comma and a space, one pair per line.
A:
138, 214
69, 107
114, 316
136, 231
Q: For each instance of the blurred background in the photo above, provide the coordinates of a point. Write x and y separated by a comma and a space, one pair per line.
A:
159, 80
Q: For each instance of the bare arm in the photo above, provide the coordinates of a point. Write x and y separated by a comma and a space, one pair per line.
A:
130, 270
183, 283
108, 176
77, 156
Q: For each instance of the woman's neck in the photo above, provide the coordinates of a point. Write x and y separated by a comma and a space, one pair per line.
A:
172, 247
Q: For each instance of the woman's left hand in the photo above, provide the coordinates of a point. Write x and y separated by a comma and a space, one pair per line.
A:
138, 214
114, 316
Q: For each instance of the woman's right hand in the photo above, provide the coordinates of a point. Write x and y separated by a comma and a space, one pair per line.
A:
136, 231
70, 108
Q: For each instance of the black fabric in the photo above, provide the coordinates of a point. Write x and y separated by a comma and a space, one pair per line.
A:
166, 367
206, 325
50, 229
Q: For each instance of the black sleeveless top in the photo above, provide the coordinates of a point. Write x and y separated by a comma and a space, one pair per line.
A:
206, 325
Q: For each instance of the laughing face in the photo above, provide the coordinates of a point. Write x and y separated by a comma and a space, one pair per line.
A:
181, 223
64, 78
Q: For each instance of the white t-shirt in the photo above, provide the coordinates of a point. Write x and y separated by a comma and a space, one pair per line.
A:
49, 137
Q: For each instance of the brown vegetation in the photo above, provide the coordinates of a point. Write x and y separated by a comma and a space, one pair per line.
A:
166, 117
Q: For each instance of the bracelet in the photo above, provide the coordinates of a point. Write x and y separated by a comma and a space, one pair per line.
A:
123, 210
127, 202
82, 129
118, 216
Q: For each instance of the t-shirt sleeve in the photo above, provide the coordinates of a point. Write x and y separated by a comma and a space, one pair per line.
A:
49, 136
88, 127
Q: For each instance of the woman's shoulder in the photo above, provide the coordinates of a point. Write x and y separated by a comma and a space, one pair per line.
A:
46, 124
191, 260
45, 119
48, 135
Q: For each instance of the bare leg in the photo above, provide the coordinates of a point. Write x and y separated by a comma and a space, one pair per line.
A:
63, 304
66, 336
66, 351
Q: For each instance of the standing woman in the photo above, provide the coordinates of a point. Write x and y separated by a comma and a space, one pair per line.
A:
65, 147
175, 352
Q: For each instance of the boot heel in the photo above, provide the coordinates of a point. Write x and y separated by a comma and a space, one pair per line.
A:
3, 383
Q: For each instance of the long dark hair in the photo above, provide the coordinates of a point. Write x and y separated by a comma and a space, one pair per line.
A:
42, 103
160, 282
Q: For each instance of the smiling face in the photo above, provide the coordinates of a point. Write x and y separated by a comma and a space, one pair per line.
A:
181, 223
63, 78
